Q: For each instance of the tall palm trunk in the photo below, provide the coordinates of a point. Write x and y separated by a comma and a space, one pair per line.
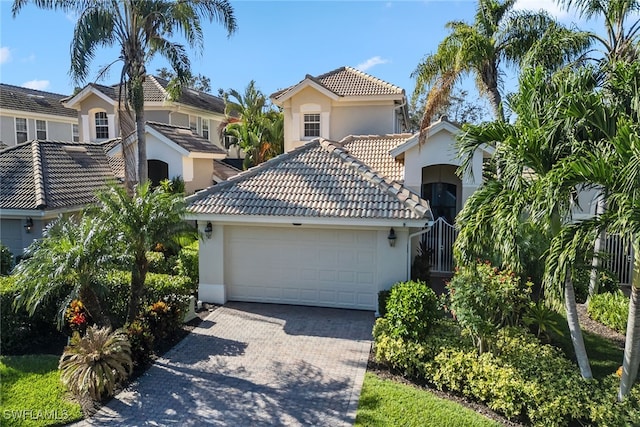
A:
632, 342
136, 293
598, 246
93, 306
574, 327
137, 100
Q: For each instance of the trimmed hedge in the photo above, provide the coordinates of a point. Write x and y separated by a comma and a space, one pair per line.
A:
411, 309
522, 379
187, 263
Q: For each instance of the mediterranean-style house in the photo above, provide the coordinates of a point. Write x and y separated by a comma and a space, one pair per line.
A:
182, 134
338, 217
27, 114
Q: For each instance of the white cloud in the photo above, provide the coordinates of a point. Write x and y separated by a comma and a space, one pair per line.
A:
549, 5
371, 62
5, 54
36, 84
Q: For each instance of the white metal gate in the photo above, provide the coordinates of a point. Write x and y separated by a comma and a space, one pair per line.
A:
439, 241
620, 257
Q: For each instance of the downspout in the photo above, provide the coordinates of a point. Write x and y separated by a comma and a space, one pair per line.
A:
411, 236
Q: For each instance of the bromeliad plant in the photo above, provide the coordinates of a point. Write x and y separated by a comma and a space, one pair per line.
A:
92, 366
77, 317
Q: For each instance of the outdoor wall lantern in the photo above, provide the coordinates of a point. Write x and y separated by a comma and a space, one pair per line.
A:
28, 226
392, 237
208, 230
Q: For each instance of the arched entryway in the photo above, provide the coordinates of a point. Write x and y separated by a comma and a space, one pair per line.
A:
442, 188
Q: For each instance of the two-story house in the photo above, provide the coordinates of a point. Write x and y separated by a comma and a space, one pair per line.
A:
182, 134
27, 114
337, 218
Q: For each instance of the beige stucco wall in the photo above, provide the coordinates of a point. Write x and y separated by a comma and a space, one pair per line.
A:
362, 120
7, 130
179, 119
161, 116
56, 130
202, 175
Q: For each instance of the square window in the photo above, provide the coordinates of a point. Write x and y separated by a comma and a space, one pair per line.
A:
311, 125
21, 130
41, 129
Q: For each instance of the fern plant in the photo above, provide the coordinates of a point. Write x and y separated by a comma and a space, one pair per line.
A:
93, 365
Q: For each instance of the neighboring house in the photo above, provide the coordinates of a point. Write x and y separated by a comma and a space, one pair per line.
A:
182, 135
178, 151
339, 103
27, 114
315, 226
43, 179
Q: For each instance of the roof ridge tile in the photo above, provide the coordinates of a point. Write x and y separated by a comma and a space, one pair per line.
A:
38, 177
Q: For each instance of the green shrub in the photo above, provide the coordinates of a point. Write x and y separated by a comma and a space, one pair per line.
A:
383, 296
165, 316
157, 287
187, 264
6, 260
483, 299
411, 309
21, 333
610, 309
161, 263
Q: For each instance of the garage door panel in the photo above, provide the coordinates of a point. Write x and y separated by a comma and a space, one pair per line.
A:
301, 266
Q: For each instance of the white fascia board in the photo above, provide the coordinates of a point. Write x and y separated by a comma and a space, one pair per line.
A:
308, 221
431, 130
198, 155
80, 96
38, 213
371, 98
39, 116
184, 153
302, 85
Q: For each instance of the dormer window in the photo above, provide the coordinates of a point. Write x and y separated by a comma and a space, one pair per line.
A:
312, 125
102, 125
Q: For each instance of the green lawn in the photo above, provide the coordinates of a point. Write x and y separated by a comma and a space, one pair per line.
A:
388, 403
31, 393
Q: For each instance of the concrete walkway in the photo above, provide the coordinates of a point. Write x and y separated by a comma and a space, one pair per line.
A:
254, 365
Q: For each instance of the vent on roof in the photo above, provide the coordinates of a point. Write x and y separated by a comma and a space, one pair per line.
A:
33, 95
75, 149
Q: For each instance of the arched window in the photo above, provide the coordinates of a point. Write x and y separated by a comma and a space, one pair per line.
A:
102, 125
158, 171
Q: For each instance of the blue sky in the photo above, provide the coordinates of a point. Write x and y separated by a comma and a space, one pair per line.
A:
277, 42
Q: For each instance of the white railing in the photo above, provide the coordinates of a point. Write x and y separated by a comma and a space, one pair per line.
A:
620, 257
439, 240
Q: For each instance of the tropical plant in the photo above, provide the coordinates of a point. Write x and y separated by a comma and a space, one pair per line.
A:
257, 128
92, 366
613, 162
141, 30
6, 260
498, 35
67, 261
138, 222
412, 307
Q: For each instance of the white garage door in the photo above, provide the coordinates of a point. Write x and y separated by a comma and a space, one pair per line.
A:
327, 268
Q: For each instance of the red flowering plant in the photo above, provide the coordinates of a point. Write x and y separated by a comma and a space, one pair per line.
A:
77, 317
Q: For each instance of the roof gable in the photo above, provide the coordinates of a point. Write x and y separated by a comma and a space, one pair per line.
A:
33, 101
343, 82
318, 180
439, 126
188, 143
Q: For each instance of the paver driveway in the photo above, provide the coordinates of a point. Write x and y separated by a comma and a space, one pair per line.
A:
254, 364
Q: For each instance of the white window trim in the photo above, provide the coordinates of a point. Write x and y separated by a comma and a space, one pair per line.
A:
95, 125
73, 134
46, 129
208, 122
319, 122
15, 127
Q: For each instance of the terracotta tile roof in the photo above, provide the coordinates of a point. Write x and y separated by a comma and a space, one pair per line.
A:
155, 90
53, 174
373, 150
223, 171
319, 179
348, 81
186, 138
35, 101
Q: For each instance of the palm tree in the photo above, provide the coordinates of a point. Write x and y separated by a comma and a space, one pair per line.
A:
613, 162
67, 261
498, 218
498, 35
258, 128
141, 29
137, 223
621, 43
